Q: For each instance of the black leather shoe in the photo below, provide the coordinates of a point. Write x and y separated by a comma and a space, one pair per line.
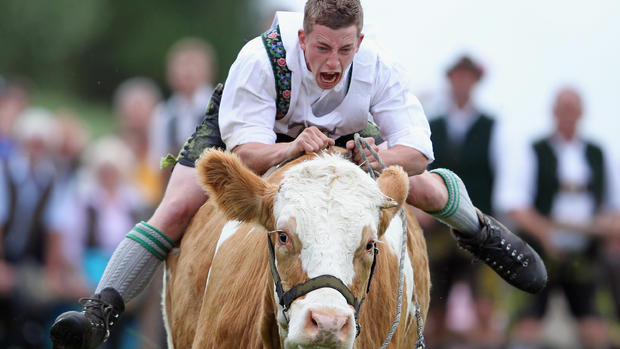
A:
512, 258
91, 327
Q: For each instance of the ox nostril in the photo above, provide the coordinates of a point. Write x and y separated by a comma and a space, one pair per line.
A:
328, 323
314, 323
311, 327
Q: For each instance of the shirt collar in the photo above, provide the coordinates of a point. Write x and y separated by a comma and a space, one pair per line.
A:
468, 112
562, 143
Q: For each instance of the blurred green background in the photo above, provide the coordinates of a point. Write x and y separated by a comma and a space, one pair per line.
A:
75, 53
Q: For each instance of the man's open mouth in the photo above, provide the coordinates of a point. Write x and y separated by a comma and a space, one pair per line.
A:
329, 77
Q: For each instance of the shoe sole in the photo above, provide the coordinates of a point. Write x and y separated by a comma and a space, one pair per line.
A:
64, 338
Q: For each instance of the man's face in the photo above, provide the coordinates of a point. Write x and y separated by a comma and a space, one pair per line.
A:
567, 112
135, 109
462, 82
329, 52
187, 71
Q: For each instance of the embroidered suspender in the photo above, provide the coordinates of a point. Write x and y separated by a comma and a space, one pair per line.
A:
207, 134
272, 40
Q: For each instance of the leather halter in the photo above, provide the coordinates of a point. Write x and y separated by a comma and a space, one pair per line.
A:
285, 299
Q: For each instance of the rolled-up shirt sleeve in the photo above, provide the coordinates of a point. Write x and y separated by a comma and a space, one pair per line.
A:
247, 110
398, 112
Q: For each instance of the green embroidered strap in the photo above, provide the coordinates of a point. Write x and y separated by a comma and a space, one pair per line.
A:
454, 195
272, 40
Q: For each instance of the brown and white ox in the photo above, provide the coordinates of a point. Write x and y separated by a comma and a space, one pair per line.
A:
325, 216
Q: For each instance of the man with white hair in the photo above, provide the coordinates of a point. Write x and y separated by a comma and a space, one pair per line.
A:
566, 193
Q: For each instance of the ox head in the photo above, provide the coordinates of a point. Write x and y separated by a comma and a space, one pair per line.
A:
324, 217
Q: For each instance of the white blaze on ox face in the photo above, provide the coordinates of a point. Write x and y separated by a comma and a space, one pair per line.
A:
329, 211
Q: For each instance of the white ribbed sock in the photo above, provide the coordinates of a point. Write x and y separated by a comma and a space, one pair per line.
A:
135, 260
459, 212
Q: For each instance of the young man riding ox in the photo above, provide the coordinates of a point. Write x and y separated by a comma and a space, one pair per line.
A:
329, 82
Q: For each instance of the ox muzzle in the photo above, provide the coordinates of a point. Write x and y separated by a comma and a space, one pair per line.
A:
285, 299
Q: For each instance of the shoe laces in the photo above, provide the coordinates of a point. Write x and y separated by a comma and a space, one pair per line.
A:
493, 241
99, 313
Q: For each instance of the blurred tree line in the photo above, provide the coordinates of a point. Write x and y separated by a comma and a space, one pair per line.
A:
88, 47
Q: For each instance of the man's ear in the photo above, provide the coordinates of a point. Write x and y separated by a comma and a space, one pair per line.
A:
302, 39
359, 41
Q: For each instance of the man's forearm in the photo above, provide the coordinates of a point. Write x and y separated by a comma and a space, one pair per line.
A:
411, 160
260, 157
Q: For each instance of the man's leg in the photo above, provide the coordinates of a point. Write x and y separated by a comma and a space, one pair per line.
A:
137, 257
133, 264
442, 194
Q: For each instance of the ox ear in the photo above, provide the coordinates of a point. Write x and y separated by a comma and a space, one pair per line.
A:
237, 191
394, 183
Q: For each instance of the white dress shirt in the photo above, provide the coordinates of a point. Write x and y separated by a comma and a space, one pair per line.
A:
519, 186
377, 92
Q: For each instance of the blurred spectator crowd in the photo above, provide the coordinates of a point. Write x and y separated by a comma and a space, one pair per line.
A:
561, 192
66, 199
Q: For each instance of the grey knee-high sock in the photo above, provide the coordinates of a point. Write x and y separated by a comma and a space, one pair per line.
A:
135, 260
459, 212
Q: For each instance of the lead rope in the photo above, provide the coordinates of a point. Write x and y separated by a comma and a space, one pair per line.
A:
420, 343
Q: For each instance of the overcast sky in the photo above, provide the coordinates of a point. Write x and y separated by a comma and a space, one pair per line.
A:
528, 49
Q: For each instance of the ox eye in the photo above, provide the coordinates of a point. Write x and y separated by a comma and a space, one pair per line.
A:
283, 238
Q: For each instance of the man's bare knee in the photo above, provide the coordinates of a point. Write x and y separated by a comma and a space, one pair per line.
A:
418, 196
427, 192
180, 209
173, 215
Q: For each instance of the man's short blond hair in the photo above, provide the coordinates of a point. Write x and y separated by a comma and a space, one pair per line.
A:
334, 14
